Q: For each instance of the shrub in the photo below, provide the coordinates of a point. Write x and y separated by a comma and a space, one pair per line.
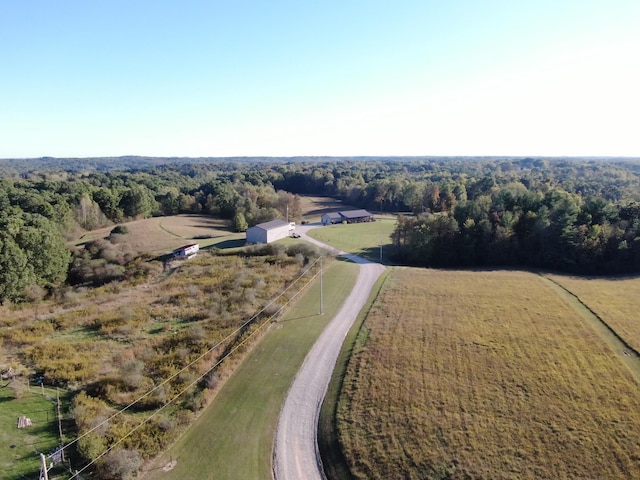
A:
120, 464
119, 230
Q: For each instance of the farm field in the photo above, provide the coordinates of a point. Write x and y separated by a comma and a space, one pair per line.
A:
362, 239
159, 235
615, 300
236, 431
460, 374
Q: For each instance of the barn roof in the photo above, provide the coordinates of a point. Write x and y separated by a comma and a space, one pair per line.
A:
355, 214
333, 215
272, 224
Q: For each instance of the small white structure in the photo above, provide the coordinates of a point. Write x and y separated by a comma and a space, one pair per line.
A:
268, 232
187, 252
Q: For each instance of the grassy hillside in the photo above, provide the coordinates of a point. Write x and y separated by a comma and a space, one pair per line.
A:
159, 235
485, 375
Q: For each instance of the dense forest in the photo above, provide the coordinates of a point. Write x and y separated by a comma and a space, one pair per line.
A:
576, 215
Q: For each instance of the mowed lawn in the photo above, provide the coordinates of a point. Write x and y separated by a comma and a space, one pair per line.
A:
485, 375
233, 438
160, 235
21, 447
362, 239
615, 300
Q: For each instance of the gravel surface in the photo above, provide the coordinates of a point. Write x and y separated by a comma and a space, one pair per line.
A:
295, 454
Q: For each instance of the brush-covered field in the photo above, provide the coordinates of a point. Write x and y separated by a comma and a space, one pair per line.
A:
236, 431
485, 375
131, 341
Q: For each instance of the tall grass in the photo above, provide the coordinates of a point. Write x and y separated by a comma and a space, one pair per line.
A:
614, 299
485, 375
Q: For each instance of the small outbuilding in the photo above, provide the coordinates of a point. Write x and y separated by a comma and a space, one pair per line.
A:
268, 232
331, 218
186, 252
348, 216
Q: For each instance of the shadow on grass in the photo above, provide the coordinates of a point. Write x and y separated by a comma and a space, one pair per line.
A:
299, 318
374, 254
233, 243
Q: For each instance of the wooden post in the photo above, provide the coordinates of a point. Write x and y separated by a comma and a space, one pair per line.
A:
59, 423
44, 475
321, 292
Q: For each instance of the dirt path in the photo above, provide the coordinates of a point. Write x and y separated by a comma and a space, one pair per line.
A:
295, 453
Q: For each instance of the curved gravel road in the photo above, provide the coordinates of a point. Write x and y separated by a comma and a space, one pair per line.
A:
295, 453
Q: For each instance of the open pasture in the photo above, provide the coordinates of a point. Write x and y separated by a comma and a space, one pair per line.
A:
362, 239
614, 299
21, 447
485, 375
159, 235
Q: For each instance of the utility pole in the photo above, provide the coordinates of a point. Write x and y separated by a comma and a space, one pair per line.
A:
59, 415
321, 292
44, 475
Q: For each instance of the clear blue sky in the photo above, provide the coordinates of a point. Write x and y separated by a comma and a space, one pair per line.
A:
280, 78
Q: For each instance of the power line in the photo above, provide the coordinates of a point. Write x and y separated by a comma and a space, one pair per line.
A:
236, 347
164, 382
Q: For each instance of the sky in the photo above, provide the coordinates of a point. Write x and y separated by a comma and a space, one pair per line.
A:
226, 78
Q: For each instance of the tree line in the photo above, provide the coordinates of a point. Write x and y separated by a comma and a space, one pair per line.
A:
579, 215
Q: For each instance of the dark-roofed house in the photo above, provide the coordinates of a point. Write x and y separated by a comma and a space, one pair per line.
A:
268, 232
356, 216
349, 216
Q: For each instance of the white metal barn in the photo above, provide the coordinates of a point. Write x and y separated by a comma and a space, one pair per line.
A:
268, 232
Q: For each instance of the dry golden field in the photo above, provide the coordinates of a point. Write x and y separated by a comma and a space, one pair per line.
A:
159, 235
615, 300
485, 375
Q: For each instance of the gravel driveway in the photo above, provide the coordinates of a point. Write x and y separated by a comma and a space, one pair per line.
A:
295, 453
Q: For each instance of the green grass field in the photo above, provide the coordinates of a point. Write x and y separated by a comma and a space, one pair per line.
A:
460, 374
362, 239
21, 447
233, 438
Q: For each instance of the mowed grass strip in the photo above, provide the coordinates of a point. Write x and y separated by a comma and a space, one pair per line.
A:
485, 375
233, 438
614, 299
362, 239
21, 447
